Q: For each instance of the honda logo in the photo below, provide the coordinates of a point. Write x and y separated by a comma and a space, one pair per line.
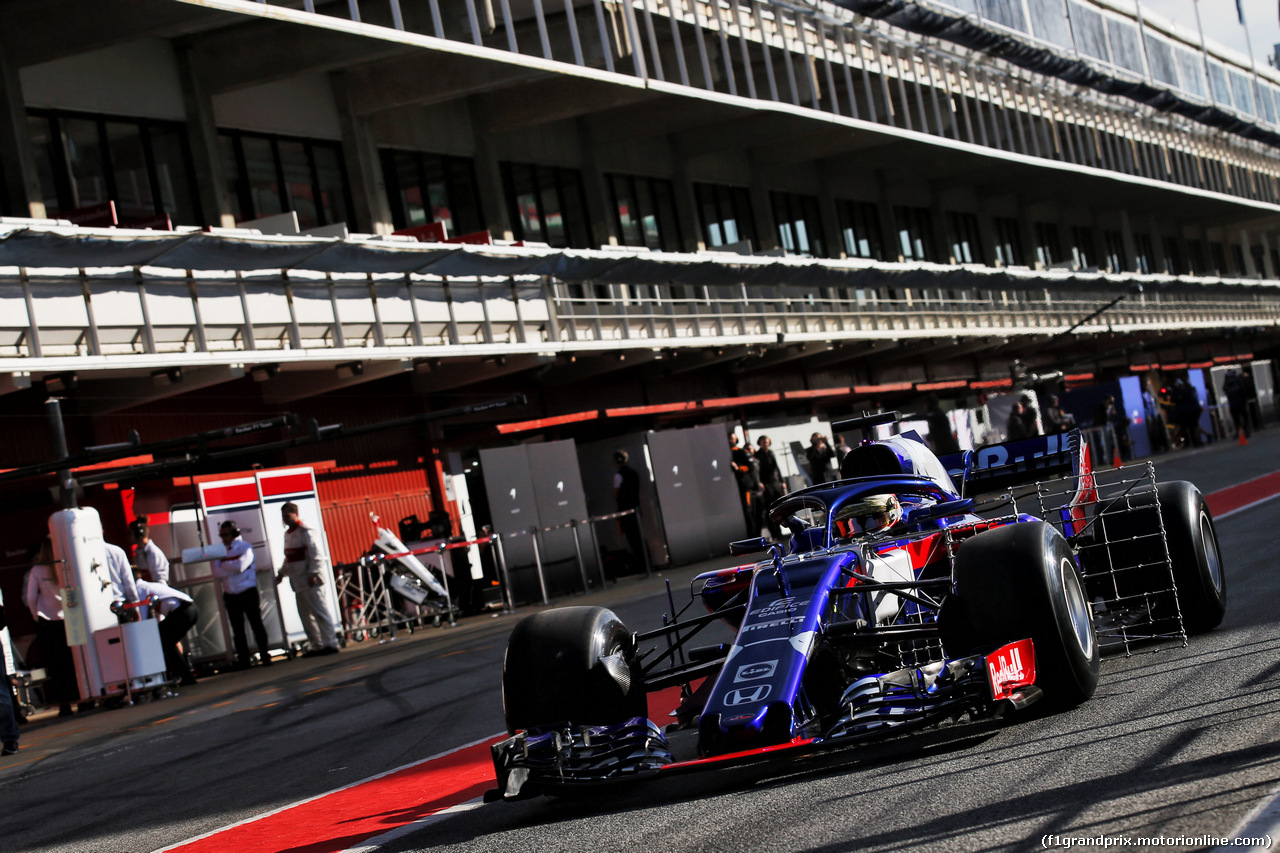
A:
745, 695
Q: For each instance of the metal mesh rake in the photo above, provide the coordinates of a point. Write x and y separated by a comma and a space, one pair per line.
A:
1119, 533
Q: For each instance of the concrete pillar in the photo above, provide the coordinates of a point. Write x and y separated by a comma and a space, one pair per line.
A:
941, 232
364, 166
686, 201
830, 218
987, 233
888, 222
202, 134
1159, 263
762, 208
493, 200
19, 178
1126, 237
604, 222
1268, 267
1250, 268
1027, 234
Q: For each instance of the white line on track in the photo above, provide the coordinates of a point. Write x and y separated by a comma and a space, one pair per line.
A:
1264, 820
371, 845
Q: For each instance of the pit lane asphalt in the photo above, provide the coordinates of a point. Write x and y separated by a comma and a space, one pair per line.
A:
1181, 742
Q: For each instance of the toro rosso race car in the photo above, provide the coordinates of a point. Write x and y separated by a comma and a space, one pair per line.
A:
901, 600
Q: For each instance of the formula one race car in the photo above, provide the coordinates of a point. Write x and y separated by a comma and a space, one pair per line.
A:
900, 601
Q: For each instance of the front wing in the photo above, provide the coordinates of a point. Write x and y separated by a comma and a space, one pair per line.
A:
565, 757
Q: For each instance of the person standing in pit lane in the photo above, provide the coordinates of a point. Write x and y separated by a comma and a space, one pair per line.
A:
44, 600
148, 557
304, 566
626, 495
775, 486
239, 579
122, 584
178, 616
8, 719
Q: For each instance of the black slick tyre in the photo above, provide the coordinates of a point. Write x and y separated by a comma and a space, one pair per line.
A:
1021, 581
1134, 550
571, 665
1194, 556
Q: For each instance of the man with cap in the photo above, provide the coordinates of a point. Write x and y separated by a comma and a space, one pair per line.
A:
304, 567
148, 557
239, 579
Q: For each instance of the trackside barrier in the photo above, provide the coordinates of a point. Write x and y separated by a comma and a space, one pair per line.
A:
365, 590
574, 525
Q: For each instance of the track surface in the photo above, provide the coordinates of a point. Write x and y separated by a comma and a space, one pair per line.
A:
1179, 743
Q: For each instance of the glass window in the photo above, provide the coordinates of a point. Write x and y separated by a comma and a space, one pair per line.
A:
966, 240
915, 233
275, 174
799, 224
261, 178
1048, 251
83, 146
142, 166
1117, 259
423, 187
46, 154
1082, 247
547, 204
129, 168
725, 214
860, 229
644, 212
1008, 242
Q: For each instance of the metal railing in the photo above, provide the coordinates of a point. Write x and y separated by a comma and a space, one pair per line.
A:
48, 321
535, 533
826, 59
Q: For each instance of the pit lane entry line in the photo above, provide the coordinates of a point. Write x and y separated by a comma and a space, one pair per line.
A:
358, 816
1227, 502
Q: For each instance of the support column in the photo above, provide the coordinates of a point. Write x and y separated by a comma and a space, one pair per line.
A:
987, 233
941, 231
1268, 266
604, 224
19, 178
1027, 232
364, 166
202, 134
830, 220
493, 200
888, 222
1160, 262
1126, 237
762, 209
686, 201
1250, 268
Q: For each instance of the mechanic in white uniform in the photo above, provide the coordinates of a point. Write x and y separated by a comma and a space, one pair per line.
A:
122, 585
178, 615
304, 567
149, 558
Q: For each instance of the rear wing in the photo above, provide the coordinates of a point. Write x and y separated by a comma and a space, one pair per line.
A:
997, 467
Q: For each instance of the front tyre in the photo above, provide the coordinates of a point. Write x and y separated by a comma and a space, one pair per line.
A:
571, 665
1021, 581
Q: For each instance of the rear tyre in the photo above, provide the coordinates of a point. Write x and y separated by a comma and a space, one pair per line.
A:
1021, 581
571, 665
1194, 558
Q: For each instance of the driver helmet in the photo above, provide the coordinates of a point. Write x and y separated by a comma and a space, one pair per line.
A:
872, 514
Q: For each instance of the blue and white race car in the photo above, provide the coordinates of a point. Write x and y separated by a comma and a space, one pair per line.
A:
900, 601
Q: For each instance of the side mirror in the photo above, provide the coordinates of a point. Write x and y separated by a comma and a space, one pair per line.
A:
748, 546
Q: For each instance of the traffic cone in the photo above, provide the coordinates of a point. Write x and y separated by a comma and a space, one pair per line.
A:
1243, 442
1116, 461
